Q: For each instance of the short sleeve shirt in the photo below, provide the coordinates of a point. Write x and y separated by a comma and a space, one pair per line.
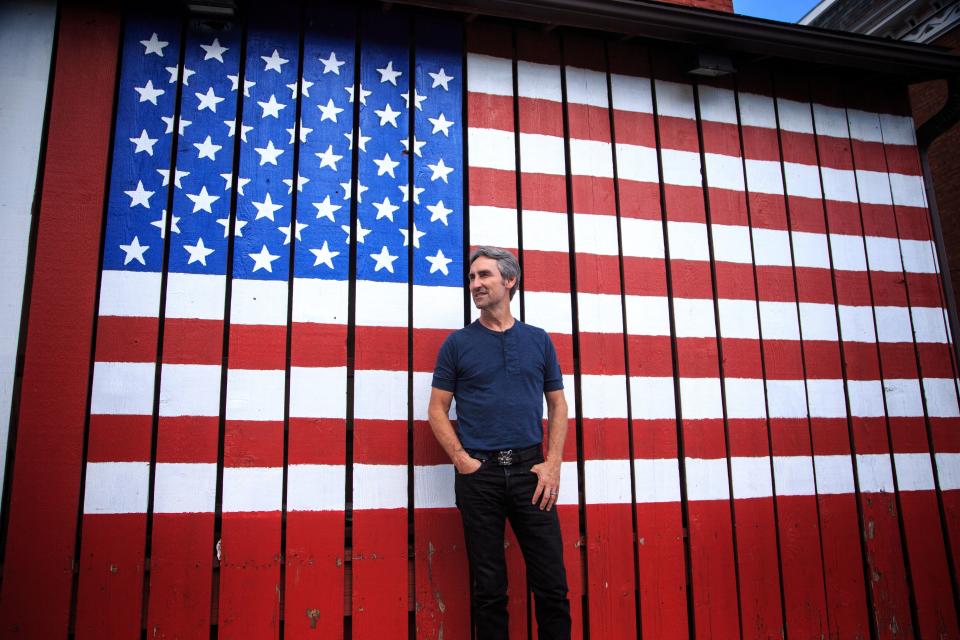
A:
498, 380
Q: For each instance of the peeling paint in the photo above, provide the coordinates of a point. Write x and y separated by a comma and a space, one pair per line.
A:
314, 616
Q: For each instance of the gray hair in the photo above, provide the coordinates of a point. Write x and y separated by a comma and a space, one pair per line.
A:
506, 263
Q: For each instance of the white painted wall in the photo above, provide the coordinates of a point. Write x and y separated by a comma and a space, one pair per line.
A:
26, 46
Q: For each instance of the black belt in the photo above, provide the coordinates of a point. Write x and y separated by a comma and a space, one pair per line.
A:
508, 457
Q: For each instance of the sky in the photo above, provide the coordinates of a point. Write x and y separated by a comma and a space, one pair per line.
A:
781, 10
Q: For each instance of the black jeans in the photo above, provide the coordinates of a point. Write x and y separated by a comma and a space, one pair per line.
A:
486, 498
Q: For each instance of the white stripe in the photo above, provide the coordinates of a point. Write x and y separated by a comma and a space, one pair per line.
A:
803, 180
771, 247
787, 398
941, 396
538, 81
648, 315
258, 302
600, 313
254, 394
795, 116
839, 184
381, 304
738, 319
908, 191
637, 163
830, 121
834, 474
688, 241
130, 293
856, 323
745, 398
379, 486
864, 125
122, 388
190, 390
315, 487
874, 473
544, 231
893, 324
549, 310
116, 487
866, 398
606, 481
422, 385
380, 395
919, 256
681, 167
717, 105
757, 111
185, 487
674, 99
541, 154
724, 172
898, 129
437, 307
847, 253
487, 149
318, 392
731, 243
751, 477
658, 480
794, 475
764, 176
914, 472
928, 324
883, 253
631, 93
778, 321
642, 238
604, 396
486, 74
948, 471
596, 234
569, 484
433, 487
195, 295
826, 398
586, 87
320, 301
588, 158
495, 226
818, 321
693, 318
700, 398
707, 479
249, 489
874, 187
652, 398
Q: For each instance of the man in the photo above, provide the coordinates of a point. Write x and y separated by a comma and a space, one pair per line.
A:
499, 370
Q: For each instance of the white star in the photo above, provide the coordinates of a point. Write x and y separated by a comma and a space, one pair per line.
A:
361, 232
328, 158
134, 251
244, 129
214, 50
330, 111
153, 45
139, 196
208, 100
385, 209
183, 124
417, 234
384, 260
241, 182
304, 85
439, 262
207, 149
162, 223
439, 79
177, 175
325, 209
203, 200
304, 131
225, 223
406, 193
439, 212
363, 94
267, 208
263, 260
144, 143
324, 255
174, 71
386, 165
148, 93
387, 74
363, 140
441, 124
271, 107
274, 61
198, 252
417, 99
286, 232
235, 82
268, 153
440, 171
417, 146
300, 182
347, 191
331, 63
387, 114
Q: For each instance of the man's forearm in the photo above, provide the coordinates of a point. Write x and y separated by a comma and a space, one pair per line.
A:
445, 434
557, 434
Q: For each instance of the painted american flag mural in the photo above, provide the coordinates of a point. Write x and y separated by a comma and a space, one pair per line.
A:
738, 275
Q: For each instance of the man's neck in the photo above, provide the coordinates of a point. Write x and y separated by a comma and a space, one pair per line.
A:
499, 319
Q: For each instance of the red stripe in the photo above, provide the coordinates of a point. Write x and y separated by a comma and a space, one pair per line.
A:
249, 443
249, 576
317, 441
258, 346
187, 439
840, 537
318, 345
380, 442
126, 339
663, 584
119, 438
442, 576
192, 341
314, 590
380, 564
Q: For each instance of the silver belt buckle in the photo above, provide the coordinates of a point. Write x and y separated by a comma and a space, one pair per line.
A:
505, 457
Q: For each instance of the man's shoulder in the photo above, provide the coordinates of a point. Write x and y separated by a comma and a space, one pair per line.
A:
532, 330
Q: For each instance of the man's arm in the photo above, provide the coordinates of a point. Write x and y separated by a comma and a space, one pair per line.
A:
438, 413
548, 471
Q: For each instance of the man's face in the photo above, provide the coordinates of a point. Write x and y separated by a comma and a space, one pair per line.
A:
488, 288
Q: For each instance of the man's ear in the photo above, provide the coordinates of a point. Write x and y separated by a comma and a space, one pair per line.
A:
509, 283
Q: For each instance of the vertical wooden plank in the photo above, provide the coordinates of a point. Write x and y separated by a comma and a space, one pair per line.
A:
38, 566
662, 561
182, 542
